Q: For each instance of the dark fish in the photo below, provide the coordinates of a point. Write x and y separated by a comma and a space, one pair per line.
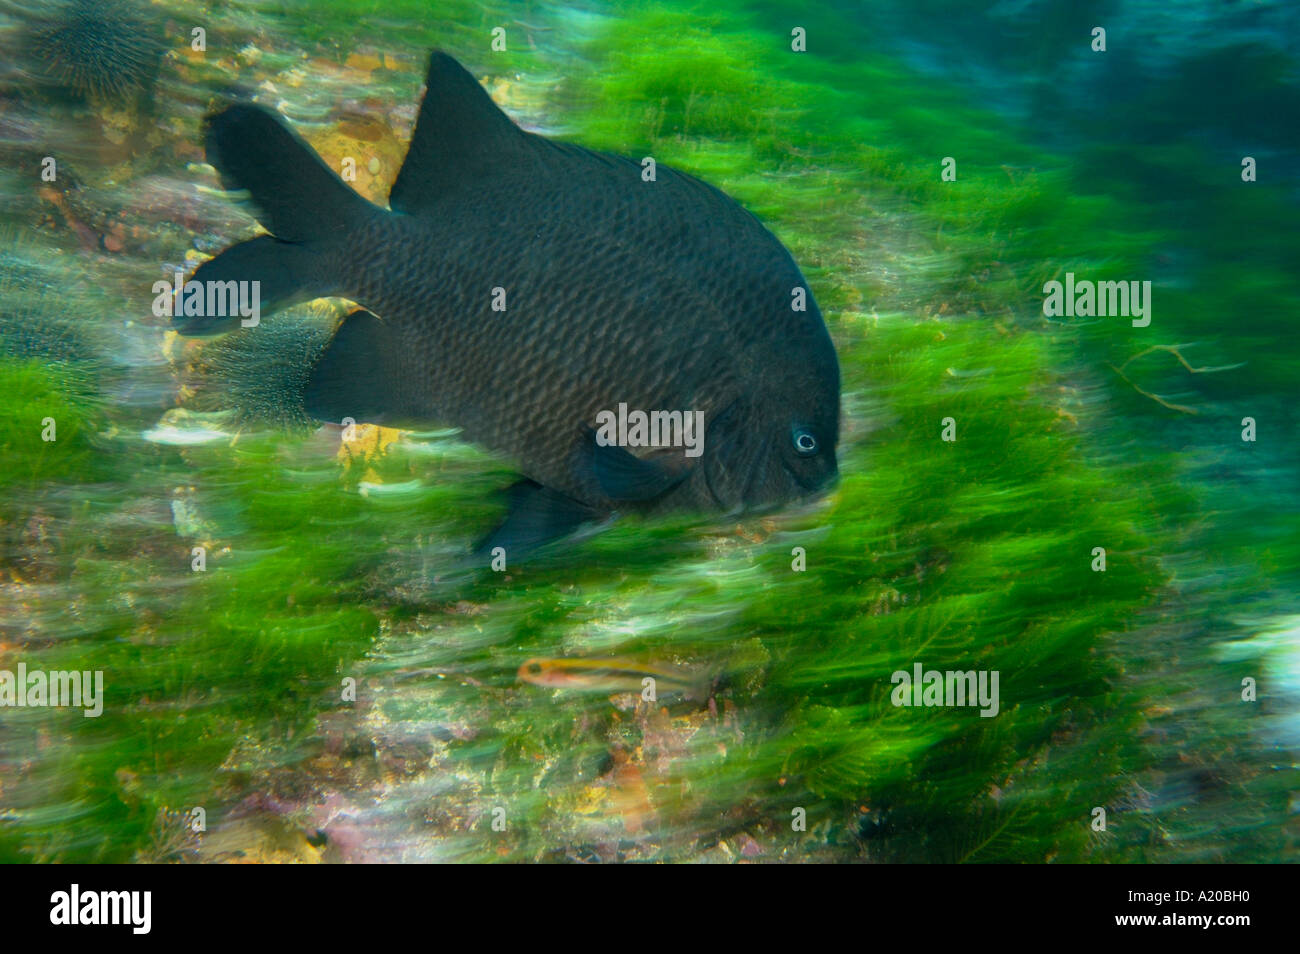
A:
661, 295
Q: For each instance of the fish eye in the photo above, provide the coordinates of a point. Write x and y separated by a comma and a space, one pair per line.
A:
804, 442
534, 669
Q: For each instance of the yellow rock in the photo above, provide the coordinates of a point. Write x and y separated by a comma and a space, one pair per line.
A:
591, 799
365, 61
369, 443
372, 149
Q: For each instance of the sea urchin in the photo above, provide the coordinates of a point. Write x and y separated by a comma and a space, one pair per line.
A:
105, 49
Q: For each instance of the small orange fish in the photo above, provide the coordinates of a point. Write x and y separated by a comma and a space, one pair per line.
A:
617, 674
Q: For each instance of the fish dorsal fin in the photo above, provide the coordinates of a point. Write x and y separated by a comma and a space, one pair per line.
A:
460, 137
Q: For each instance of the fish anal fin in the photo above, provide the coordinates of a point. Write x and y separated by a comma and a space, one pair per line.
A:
357, 375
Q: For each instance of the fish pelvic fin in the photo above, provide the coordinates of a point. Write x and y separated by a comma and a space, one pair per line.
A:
537, 516
461, 137
311, 214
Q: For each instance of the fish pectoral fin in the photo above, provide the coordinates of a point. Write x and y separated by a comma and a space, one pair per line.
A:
537, 516
624, 476
357, 375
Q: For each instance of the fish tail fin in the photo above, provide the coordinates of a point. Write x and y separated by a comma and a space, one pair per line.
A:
301, 198
309, 211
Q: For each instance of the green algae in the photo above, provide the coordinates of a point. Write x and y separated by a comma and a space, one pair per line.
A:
969, 554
